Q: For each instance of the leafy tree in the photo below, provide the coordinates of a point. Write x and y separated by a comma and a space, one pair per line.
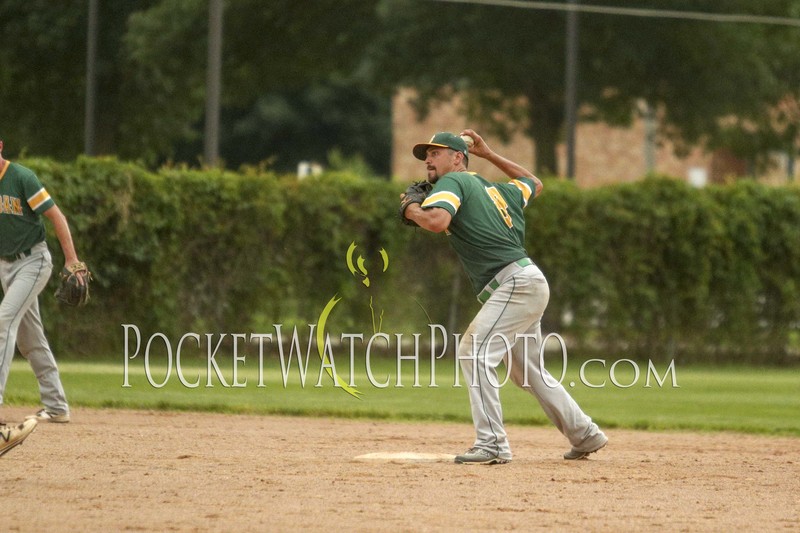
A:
152, 66
301, 60
279, 47
695, 73
164, 53
40, 86
491, 55
723, 83
284, 127
43, 79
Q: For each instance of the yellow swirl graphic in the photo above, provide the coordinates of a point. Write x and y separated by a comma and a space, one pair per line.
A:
323, 318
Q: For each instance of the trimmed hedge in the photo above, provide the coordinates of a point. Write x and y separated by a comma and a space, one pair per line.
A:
657, 269
654, 269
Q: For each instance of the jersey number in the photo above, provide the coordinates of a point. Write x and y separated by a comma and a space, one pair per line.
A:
501, 205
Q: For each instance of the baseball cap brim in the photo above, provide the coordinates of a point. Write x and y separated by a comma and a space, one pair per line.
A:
421, 150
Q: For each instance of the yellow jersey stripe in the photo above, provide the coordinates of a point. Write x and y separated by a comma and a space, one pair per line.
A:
526, 190
443, 196
38, 199
5, 167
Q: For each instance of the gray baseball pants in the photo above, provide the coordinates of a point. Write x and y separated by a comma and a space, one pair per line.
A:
21, 325
515, 307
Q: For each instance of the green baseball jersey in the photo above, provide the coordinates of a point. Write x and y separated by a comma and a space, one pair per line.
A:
22, 200
487, 230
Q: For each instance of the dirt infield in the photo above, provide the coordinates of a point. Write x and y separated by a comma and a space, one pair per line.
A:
153, 471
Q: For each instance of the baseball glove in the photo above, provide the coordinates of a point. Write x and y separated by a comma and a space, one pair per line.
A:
415, 194
74, 287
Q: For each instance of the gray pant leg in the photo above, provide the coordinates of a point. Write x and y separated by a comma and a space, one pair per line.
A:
34, 347
515, 307
22, 282
556, 402
480, 376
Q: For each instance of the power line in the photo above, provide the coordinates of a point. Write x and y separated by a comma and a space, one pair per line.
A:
637, 12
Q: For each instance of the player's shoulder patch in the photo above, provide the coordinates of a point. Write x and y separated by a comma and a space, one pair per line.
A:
448, 192
441, 198
40, 200
526, 187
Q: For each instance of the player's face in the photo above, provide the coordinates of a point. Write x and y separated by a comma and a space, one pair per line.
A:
439, 161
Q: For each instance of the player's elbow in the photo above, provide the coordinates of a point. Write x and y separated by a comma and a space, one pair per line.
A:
436, 220
437, 226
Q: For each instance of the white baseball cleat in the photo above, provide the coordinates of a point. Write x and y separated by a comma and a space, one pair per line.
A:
589, 445
479, 456
43, 415
11, 436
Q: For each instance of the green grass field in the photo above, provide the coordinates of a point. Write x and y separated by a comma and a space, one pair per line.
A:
744, 399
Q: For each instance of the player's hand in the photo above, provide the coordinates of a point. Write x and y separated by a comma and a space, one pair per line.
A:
79, 270
480, 148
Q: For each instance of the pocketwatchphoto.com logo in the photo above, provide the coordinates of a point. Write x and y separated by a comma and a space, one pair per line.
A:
227, 354
355, 361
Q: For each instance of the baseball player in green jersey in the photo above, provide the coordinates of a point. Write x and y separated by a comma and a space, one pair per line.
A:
25, 267
485, 225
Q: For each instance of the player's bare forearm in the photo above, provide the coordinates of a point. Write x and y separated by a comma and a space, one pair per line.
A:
63, 234
433, 219
513, 170
508, 167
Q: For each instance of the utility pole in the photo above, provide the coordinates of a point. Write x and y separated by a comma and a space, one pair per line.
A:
570, 84
213, 82
91, 80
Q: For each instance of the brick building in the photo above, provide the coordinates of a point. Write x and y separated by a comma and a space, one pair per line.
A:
603, 154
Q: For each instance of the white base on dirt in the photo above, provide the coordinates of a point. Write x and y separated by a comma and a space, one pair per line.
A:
406, 457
